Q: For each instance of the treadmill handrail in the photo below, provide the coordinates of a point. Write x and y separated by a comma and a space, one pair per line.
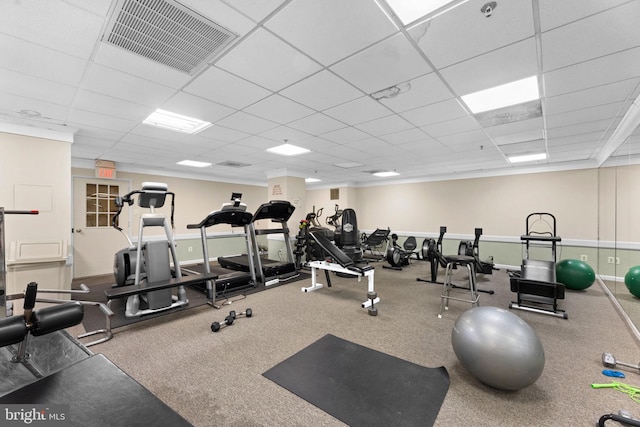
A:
276, 210
235, 217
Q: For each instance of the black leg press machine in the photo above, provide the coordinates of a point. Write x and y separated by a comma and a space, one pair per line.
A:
50, 377
339, 262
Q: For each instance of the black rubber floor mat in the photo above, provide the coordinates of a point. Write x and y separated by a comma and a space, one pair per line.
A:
363, 387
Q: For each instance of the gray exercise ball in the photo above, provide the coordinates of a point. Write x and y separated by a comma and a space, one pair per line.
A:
498, 348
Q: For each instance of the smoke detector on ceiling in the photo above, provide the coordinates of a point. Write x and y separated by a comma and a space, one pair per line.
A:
166, 32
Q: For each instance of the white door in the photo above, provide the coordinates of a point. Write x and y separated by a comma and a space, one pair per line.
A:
95, 241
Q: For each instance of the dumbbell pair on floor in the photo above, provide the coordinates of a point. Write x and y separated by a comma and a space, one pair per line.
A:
228, 321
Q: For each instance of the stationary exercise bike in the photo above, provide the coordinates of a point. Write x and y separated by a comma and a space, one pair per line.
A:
148, 262
399, 256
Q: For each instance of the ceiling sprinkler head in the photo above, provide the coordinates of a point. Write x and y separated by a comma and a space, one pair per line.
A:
488, 8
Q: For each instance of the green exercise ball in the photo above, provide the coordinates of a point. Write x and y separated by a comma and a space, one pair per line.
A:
575, 274
632, 280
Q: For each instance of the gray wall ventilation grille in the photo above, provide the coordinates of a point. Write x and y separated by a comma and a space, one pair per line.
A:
166, 32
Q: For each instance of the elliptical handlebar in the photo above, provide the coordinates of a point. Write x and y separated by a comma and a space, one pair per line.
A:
148, 188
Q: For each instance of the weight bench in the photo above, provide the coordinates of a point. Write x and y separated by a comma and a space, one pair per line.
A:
340, 263
133, 304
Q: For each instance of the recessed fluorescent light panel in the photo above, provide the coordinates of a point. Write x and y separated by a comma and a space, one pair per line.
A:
288, 150
527, 158
312, 180
411, 10
177, 122
385, 174
194, 164
504, 95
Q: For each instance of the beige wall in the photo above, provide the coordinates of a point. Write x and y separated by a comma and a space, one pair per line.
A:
35, 174
497, 204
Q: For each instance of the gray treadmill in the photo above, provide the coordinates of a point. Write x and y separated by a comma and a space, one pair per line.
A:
267, 271
227, 280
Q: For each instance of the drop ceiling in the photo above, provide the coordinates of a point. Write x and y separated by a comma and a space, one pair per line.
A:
344, 79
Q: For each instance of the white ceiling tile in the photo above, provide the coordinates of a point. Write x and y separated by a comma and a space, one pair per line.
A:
358, 111
119, 59
99, 134
605, 94
282, 133
317, 124
41, 62
224, 88
279, 109
385, 125
554, 13
34, 88
222, 14
222, 133
462, 124
599, 35
434, 113
590, 138
330, 30
246, 123
103, 104
89, 150
255, 9
465, 32
193, 106
99, 120
596, 72
582, 128
267, 61
383, 65
585, 115
117, 84
60, 25
409, 135
418, 92
345, 135
20, 108
256, 142
321, 91
489, 70
475, 138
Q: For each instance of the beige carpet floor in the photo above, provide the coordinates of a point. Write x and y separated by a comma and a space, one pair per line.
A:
215, 379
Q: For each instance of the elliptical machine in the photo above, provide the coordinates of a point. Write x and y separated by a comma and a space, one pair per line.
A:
148, 263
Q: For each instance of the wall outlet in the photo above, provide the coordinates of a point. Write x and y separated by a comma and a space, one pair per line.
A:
583, 258
618, 260
610, 260
190, 249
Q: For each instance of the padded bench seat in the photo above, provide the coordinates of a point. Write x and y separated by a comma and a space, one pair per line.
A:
131, 290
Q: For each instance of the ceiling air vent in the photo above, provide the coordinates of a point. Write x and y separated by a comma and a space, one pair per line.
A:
232, 164
166, 32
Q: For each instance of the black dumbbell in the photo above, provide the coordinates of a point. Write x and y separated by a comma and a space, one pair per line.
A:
228, 321
373, 311
247, 313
